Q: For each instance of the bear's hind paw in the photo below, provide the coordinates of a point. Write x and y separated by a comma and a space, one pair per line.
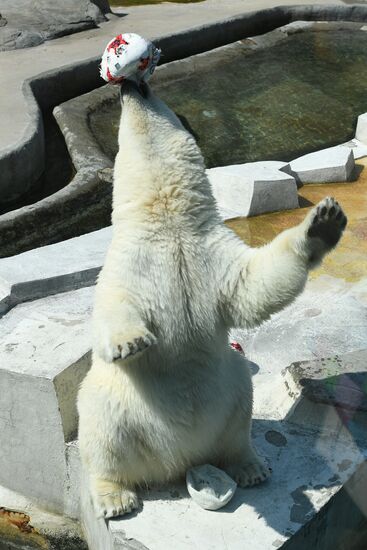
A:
250, 474
110, 505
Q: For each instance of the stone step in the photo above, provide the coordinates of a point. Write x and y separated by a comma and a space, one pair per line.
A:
60, 267
253, 188
44, 355
308, 470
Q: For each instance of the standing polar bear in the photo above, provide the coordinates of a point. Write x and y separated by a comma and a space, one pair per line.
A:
166, 391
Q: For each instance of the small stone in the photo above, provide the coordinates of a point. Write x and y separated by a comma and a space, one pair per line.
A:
210, 487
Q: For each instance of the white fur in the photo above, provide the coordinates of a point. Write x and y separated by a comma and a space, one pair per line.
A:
165, 390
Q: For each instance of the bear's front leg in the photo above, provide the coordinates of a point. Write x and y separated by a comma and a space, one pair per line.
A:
118, 328
262, 281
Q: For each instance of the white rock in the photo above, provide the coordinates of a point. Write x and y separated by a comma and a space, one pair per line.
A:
334, 164
253, 188
361, 130
44, 355
210, 487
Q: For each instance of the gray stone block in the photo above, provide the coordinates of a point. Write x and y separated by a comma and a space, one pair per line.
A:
339, 381
253, 188
335, 164
60, 267
361, 130
44, 355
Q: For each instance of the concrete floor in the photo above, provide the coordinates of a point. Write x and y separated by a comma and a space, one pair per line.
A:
150, 21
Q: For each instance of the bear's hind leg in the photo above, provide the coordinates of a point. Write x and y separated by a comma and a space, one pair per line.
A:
111, 498
239, 458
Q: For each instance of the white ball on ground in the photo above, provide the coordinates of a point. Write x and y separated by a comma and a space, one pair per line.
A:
210, 487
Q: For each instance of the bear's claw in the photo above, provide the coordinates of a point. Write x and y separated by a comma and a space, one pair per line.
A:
115, 504
123, 345
140, 343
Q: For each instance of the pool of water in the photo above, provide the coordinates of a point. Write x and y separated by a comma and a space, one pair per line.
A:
299, 95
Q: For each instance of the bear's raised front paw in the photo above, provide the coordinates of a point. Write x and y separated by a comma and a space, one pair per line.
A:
327, 222
124, 345
248, 474
110, 505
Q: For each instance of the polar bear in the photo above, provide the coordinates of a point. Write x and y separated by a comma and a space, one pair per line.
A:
165, 390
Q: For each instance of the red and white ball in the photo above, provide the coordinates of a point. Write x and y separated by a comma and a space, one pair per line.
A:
129, 56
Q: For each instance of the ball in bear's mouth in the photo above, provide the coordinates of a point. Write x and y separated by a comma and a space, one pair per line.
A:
129, 56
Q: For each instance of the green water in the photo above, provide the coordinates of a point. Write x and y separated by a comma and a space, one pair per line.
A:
297, 96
